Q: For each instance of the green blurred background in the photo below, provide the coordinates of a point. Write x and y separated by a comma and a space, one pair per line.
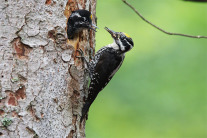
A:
161, 89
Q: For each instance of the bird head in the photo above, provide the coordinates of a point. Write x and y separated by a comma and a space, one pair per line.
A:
81, 19
123, 40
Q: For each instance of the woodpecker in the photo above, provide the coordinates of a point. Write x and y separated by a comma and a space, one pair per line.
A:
79, 20
105, 64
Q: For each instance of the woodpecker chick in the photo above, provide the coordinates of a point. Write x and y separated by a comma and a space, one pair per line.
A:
105, 64
79, 20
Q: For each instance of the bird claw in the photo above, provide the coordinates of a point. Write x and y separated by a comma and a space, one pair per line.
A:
87, 63
81, 53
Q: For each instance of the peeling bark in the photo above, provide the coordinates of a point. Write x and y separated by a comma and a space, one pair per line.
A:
42, 84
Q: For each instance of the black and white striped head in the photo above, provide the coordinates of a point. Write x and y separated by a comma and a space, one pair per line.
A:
123, 40
79, 20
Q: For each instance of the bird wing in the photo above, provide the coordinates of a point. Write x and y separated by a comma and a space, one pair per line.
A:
107, 65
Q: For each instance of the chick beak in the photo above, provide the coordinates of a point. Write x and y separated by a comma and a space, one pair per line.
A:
95, 27
113, 33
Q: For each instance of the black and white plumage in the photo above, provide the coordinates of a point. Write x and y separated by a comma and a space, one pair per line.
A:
105, 64
79, 20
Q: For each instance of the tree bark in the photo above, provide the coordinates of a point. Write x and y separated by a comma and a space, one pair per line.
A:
42, 84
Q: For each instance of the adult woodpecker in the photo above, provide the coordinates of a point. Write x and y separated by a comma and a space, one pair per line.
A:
79, 20
105, 64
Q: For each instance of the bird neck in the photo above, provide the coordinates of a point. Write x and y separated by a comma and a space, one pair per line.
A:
117, 48
114, 46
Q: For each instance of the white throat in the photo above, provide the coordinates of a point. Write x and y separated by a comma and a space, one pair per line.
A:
114, 46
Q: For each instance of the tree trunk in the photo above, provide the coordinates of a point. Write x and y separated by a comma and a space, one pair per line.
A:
42, 84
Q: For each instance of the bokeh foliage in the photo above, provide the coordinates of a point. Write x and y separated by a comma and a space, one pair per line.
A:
161, 89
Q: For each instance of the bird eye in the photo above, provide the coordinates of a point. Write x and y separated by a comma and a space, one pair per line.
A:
122, 36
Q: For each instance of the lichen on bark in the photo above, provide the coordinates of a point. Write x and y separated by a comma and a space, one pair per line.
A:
42, 84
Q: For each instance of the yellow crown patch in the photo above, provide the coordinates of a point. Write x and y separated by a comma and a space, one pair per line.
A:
127, 35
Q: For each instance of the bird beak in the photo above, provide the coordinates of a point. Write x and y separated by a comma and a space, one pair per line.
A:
113, 33
95, 27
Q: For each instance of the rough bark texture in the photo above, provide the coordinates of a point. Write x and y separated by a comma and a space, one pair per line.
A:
42, 84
